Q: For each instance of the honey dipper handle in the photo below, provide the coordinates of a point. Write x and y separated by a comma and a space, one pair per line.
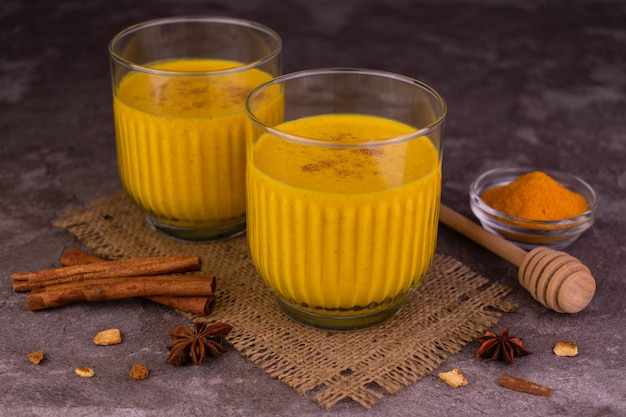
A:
555, 279
501, 247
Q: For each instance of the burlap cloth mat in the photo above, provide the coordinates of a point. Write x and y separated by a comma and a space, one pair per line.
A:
451, 308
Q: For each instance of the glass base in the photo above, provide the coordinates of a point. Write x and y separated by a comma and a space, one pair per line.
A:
198, 235
338, 323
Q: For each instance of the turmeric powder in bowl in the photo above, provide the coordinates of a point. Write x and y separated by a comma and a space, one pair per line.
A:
535, 196
533, 208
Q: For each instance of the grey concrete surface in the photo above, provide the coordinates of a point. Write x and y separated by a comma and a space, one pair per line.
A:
533, 83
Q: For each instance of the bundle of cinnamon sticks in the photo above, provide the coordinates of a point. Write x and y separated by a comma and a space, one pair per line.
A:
83, 277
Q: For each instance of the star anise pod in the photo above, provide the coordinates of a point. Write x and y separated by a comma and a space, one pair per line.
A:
503, 347
194, 344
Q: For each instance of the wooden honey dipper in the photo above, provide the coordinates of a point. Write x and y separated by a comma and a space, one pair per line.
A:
555, 279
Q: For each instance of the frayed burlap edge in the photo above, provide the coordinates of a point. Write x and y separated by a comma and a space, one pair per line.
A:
447, 311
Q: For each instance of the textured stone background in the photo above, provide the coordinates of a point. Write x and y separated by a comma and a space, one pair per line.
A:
533, 83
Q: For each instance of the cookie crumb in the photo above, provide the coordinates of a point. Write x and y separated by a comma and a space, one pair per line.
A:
139, 372
568, 348
108, 337
36, 357
84, 372
454, 378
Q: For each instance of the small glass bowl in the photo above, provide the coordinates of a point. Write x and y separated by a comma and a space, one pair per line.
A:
529, 234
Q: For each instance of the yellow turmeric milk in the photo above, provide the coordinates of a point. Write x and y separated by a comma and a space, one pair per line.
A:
337, 230
181, 141
535, 196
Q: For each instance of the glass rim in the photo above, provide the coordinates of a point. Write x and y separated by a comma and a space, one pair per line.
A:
419, 132
115, 54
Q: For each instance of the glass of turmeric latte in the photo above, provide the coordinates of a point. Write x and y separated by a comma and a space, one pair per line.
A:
343, 192
179, 90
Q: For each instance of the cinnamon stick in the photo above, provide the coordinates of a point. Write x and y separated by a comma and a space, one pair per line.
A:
201, 305
75, 256
522, 385
198, 305
26, 281
107, 289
